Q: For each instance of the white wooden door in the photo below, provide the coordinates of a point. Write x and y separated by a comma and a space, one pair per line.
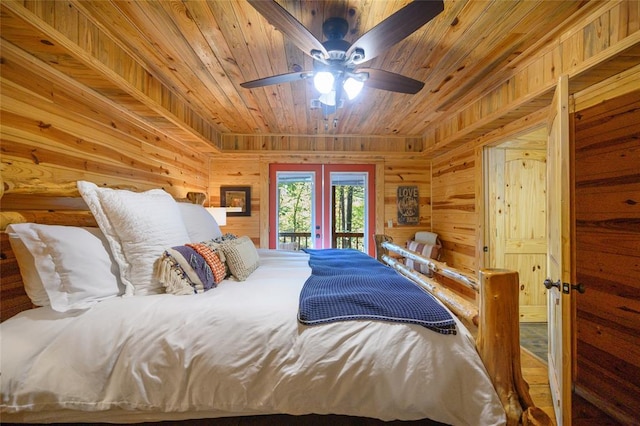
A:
558, 253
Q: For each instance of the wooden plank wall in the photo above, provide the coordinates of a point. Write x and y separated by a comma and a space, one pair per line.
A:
607, 204
14, 299
310, 143
610, 35
253, 170
454, 216
240, 170
55, 131
70, 42
397, 173
592, 53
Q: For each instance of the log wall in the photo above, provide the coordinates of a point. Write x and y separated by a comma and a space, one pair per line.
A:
55, 131
60, 34
607, 205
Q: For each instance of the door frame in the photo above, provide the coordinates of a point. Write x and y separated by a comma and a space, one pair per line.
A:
274, 168
323, 187
482, 193
495, 157
370, 201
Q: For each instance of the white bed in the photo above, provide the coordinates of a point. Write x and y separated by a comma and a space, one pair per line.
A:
126, 333
235, 350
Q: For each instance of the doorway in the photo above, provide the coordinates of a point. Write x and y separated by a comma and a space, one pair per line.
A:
321, 206
515, 224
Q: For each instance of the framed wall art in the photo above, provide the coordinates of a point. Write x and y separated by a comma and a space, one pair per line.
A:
237, 200
408, 205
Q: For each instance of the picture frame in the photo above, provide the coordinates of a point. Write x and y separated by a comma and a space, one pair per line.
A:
408, 203
236, 199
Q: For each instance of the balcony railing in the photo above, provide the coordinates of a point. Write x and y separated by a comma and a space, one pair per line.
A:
294, 240
353, 240
300, 240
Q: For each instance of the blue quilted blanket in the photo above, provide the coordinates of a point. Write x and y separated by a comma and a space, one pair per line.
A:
349, 285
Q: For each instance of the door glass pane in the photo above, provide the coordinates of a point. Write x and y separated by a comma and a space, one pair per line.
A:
295, 210
349, 211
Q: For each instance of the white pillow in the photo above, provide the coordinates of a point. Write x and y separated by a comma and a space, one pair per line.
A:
27, 264
426, 237
139, 227
201, 226
66, 267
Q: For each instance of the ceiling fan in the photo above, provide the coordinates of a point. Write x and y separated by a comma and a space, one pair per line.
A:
335, 66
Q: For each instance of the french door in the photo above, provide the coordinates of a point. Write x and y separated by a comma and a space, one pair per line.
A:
321, 206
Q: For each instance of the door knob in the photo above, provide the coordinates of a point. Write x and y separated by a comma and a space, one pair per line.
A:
578, 287
564, 287
550, 284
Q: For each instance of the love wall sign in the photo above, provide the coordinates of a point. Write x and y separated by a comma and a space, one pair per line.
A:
408, 205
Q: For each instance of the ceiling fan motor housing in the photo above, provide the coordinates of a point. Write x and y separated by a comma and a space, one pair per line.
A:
337, 55
335, 47
335, 28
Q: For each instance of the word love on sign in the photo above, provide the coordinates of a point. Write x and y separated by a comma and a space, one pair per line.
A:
408, 205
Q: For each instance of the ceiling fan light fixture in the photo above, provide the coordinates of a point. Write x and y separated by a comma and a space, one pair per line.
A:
352, 87
323, 82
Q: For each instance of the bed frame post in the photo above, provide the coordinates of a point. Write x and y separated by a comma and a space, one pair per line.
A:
499, 345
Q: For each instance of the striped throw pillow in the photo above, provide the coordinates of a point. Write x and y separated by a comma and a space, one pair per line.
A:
425, 250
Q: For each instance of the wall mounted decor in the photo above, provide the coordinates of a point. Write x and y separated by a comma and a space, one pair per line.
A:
237, 200
408, 205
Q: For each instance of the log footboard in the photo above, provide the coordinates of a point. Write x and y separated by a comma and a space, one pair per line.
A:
498, 331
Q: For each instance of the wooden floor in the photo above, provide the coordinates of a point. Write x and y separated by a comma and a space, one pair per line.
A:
583, 413
535, 373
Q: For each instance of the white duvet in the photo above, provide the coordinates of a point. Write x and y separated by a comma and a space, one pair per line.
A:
235, 350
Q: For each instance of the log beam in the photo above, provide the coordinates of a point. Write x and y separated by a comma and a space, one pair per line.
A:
463, 309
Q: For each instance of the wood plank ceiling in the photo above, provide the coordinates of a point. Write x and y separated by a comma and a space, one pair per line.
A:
202, 50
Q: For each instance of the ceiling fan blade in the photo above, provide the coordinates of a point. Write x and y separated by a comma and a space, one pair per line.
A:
395, 28
385, 80
276, 79
289, 26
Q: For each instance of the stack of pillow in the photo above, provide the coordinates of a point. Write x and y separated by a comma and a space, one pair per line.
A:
146, 243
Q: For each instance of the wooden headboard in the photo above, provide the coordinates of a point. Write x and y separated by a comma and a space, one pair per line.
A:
13, 298
67, 209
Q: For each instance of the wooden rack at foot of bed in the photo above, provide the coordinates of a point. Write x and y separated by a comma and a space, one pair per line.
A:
497, 320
